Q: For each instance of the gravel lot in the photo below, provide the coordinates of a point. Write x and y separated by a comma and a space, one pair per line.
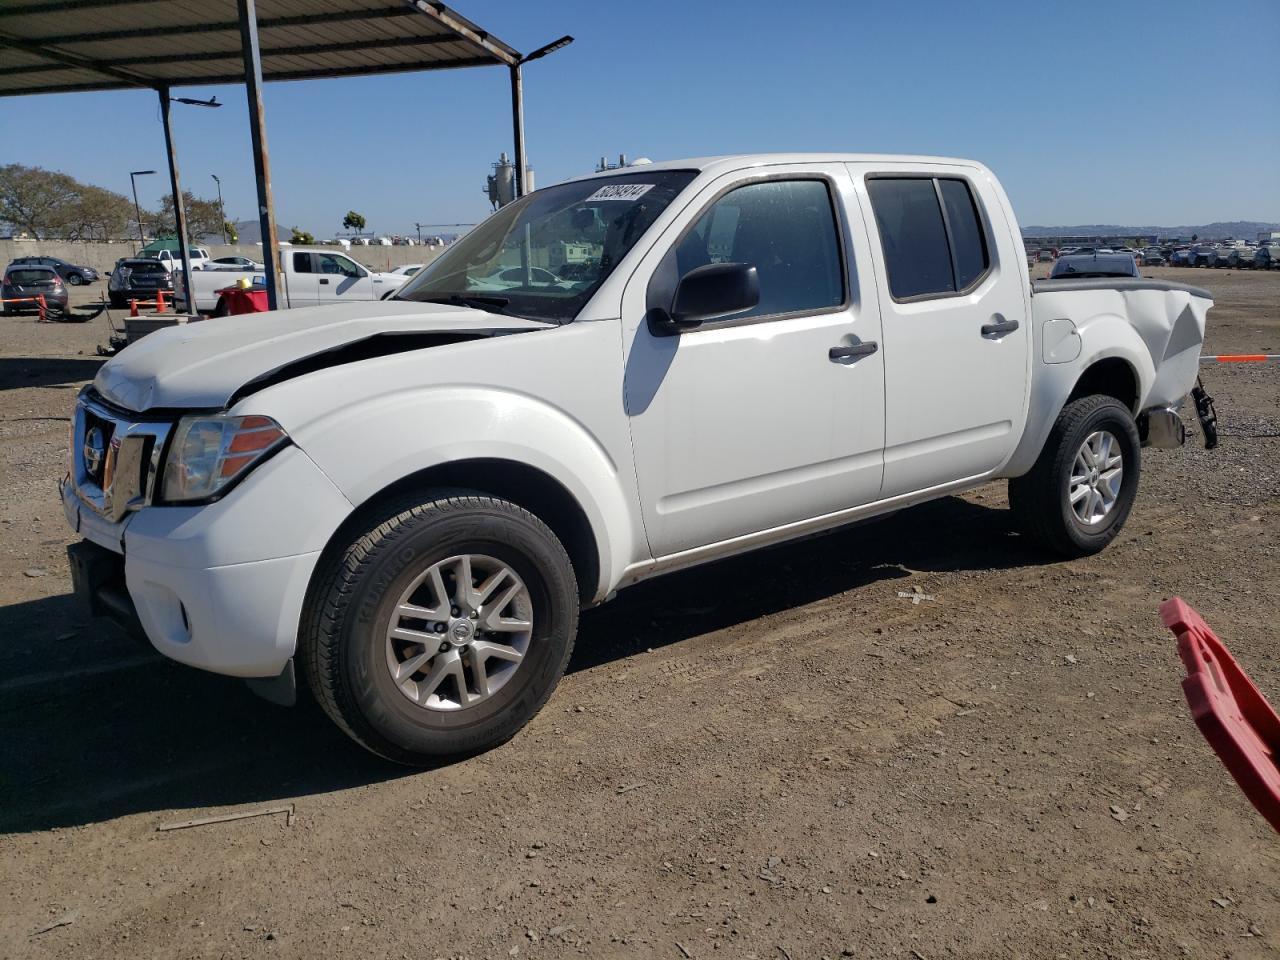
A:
771, 757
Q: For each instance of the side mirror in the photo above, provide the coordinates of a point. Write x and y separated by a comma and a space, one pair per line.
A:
713, 291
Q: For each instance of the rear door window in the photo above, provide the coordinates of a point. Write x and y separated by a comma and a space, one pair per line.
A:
931, 233
968, 240
302, 263
913, 236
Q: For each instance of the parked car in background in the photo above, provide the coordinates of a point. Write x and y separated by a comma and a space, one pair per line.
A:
72, 273
22, 282
172, 259
404, 504
1046, 256
1267, 255
1151, 257
1094, 266
1202, 255
514, 277
408, 269
1226, 257
138, 278
234, 263
1180, 257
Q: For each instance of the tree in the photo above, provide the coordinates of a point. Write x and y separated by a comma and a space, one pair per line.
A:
230, 230
301, 236
203, 216
353, 221
39, 202
100, 215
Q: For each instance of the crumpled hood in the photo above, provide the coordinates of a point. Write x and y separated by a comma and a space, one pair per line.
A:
201, 365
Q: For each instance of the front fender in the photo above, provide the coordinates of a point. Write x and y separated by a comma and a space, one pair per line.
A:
369, 445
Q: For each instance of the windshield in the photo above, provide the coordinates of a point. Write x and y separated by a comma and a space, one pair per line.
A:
543, 256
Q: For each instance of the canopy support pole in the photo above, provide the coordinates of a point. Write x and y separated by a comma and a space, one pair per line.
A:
179, 207
261, 158
517, 123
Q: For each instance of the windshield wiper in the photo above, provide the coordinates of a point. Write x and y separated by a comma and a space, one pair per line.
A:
489, 304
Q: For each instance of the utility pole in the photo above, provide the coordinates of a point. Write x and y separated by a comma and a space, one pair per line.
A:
419, 229
222, 212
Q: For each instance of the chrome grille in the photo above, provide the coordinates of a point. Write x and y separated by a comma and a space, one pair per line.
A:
114, 459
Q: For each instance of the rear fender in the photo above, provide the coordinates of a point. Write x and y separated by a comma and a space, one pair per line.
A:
1103, 337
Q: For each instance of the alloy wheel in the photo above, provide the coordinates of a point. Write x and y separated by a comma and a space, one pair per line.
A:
1097, 474
459, 632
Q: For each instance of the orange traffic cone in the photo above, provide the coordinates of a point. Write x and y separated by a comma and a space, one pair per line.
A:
160, 301
133, 308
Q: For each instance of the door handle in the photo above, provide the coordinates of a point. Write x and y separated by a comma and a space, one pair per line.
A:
323, 280
853, 351
999, 327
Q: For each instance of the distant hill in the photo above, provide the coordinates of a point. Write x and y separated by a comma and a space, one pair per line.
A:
1237, 229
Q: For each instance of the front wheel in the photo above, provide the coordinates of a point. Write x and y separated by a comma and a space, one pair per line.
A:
443, 628
1079, 493
75, 279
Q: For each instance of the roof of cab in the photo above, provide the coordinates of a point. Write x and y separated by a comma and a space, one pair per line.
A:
730, 162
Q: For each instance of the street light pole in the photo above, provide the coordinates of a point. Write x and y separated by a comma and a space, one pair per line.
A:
222, 213
419, 228
137, 210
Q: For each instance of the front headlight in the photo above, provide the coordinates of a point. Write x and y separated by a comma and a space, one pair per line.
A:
209, 452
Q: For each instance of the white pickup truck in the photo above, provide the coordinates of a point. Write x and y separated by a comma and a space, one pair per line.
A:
172, 259
407, 502
310, 277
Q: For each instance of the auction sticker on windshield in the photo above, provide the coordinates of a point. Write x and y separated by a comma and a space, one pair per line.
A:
620, 191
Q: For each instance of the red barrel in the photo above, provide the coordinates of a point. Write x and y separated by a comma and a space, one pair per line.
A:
252, 300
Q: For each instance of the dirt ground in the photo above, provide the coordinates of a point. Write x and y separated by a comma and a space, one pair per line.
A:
776, 756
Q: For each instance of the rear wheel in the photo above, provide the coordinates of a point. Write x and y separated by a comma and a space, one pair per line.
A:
443, 628
1079, 493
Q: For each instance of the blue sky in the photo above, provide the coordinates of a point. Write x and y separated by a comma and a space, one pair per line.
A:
1090, 112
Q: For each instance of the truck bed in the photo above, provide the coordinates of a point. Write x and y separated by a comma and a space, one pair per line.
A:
1169, 319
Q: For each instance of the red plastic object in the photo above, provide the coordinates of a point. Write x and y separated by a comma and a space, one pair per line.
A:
244, 301
1234, 717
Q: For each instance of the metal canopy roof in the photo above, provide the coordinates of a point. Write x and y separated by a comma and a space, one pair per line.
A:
59, 46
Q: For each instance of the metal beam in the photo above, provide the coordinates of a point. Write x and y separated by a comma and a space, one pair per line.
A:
68, 6
179, 207
190, 80
465, 28
177, 30
72, 60
261, 159
302, 50
517, 126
